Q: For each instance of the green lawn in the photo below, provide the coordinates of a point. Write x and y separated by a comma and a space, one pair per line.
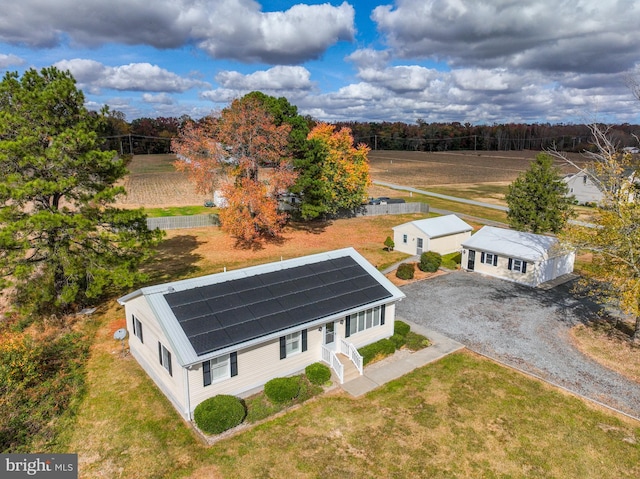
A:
462, 416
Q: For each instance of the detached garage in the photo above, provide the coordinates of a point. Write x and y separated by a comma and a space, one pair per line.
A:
525, 258
443, 234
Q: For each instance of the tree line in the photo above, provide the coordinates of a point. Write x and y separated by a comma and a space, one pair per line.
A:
153, 135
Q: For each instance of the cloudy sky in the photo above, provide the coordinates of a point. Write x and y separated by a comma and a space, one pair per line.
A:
477, 61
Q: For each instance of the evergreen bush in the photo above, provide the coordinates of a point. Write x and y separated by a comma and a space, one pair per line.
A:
389, 243
401, 328
281, 390
318, 373
405, 271
384, 347
398, 340
430, 261
219, 413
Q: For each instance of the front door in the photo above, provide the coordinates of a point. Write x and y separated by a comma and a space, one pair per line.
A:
471, 263
329, 335
419, 246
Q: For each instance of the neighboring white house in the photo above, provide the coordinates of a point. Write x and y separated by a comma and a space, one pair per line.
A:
583, 188
442, 234
525, 258
230, 333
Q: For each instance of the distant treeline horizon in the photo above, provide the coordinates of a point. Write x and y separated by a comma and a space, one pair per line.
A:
153, 135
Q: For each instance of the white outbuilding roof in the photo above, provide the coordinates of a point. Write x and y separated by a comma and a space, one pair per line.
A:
439, 226
514, 244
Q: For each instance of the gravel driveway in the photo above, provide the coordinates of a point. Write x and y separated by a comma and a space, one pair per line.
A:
520, 326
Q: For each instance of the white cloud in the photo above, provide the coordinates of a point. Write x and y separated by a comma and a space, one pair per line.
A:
273, 79
7, 61
232, 29
94, 76
579, 36
161, 99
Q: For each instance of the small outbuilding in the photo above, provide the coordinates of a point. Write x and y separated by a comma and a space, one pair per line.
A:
526, 258
442, 234
231, 332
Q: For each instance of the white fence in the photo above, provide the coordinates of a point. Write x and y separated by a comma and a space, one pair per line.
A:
349, 350
330, 357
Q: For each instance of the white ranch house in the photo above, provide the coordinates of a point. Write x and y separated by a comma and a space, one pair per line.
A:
583, 188
442, 234
525, 258
230, 333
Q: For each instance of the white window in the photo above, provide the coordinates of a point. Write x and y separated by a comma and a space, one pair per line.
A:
489, 258
518, 265
217, 369
364, 320
293, 343
164, 355
404, 239
137, 329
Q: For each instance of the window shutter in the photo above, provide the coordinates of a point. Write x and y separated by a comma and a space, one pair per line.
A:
283, 347
347, 326
510, 267
160, 352
382, 314
169, 358
482, 257
524, 267
206, 373
495, 260
304, 340
233, 360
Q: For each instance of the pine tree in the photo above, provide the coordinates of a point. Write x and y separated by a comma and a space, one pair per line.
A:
62, 243
537, 199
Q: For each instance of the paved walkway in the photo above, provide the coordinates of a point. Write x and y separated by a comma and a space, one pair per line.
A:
402, 362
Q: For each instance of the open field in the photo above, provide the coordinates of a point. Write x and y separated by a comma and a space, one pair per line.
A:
482, 176
424, 169
153, 182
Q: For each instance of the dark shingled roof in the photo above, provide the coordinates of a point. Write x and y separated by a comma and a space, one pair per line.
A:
226, 314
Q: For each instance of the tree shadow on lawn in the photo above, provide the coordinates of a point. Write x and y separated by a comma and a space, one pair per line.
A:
314, 227
174, 259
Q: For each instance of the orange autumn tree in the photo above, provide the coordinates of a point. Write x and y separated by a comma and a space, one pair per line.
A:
240, 154
344, 168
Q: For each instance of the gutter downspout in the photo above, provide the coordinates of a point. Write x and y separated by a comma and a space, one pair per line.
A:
187, 398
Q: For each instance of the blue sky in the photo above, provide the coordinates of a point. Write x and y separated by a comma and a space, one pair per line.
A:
474, 61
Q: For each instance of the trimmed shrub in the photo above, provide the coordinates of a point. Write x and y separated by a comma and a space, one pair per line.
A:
398, 340
219, 413
405, 271
384, 347
389, 244
401, 328
318, 373
430, 261
281, 390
